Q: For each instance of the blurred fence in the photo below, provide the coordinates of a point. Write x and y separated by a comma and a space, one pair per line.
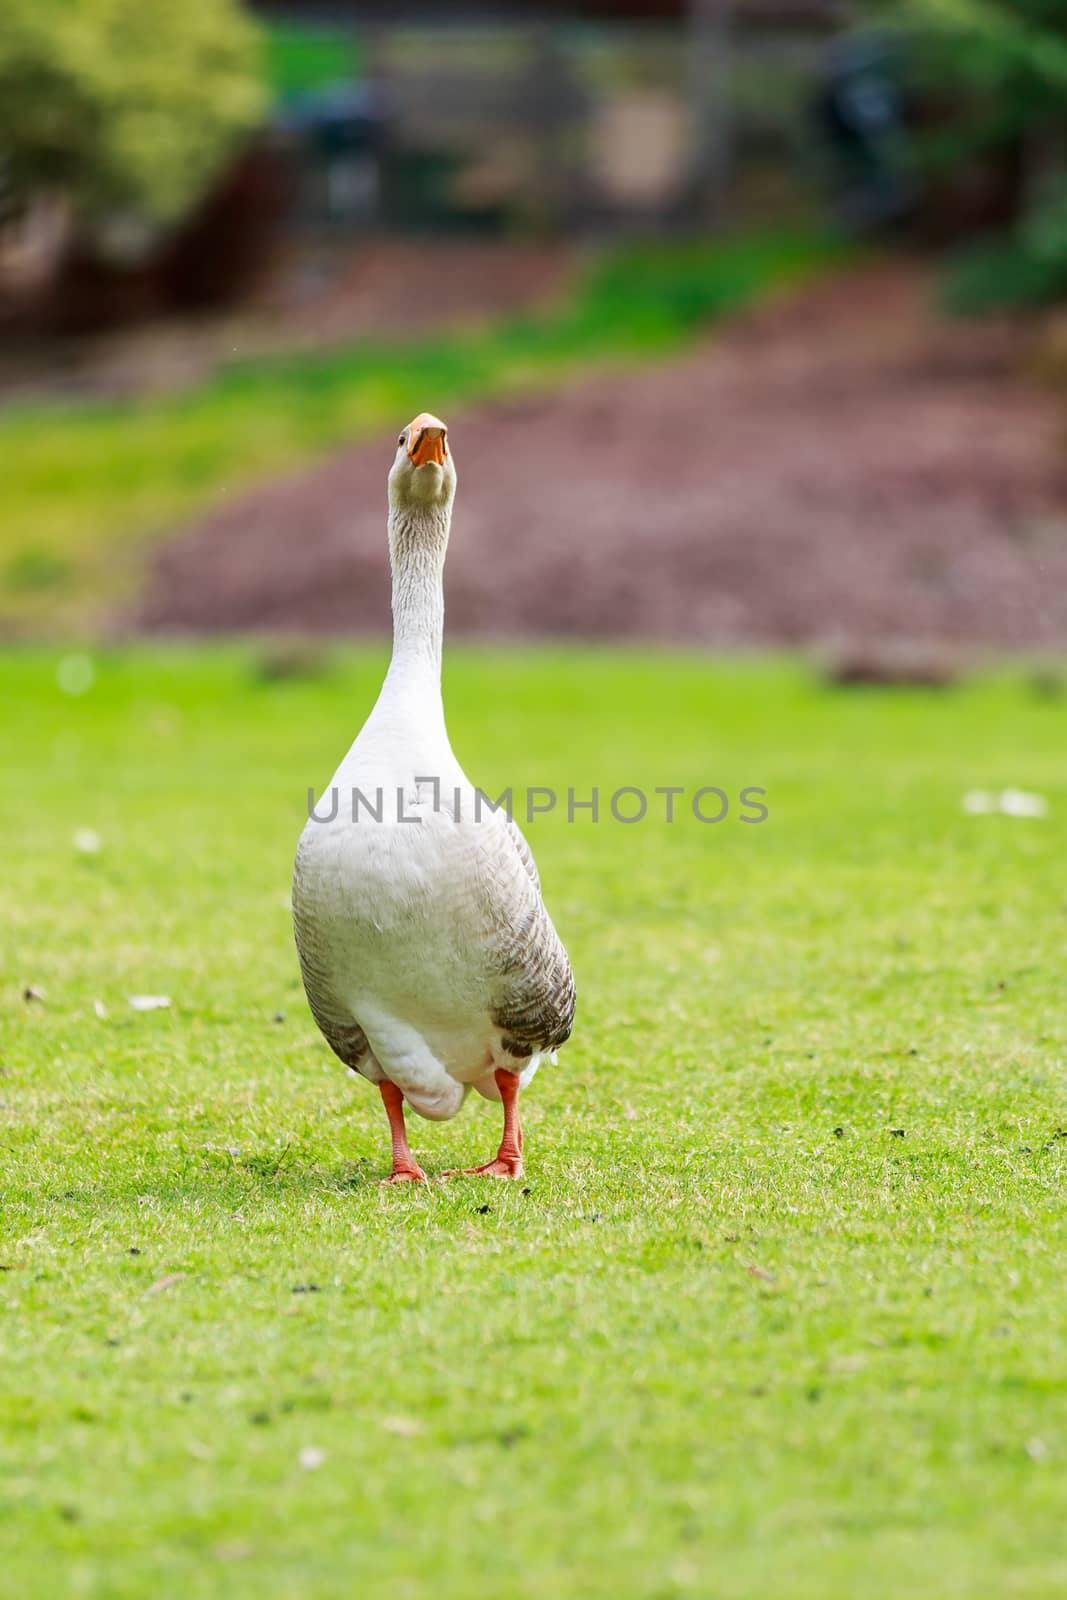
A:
564, 125
494, 122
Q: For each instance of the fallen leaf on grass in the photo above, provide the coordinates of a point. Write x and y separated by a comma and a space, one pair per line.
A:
234, 1550
762, 1274
167, 1282
853, 1362
403, 1427
75, 673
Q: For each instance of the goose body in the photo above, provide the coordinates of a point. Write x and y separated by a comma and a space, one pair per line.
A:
430, 962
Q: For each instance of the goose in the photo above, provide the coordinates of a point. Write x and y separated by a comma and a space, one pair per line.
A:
429, 960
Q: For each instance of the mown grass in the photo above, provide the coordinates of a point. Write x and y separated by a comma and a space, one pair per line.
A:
779, 1307
88, 487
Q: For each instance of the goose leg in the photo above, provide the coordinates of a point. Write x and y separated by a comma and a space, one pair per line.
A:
405, 1168
508, 1162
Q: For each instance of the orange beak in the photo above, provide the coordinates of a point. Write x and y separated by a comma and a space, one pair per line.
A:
427, 440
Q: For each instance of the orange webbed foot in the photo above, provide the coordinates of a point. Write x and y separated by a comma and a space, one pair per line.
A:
405, 1168
508, 1161
405, 1175
500, 1167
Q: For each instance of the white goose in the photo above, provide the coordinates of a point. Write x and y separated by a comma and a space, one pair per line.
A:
430, 962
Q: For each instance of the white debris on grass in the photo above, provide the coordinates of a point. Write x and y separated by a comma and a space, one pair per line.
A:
1017, 803
87, 841
148, 1002
1006, 803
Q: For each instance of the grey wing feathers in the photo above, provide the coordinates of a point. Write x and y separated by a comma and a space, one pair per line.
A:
346, 1039
535, 992
525, 854
343, 1035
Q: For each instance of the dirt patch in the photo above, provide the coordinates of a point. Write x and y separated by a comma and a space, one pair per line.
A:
842, 466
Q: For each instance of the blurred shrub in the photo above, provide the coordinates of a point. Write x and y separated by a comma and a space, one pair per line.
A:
1026, 268
124, 109
1003, 66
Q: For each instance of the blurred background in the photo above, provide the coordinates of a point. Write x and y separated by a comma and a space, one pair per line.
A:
743, 313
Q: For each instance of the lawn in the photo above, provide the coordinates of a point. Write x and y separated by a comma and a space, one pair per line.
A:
89, 487
779, 1308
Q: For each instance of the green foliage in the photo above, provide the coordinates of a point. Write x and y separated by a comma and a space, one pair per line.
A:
84, 482
1005, 65
1025, 270
1016, 54
124, 107
300, 58
778, 1309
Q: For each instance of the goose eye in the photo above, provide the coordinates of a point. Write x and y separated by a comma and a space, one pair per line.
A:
403, 439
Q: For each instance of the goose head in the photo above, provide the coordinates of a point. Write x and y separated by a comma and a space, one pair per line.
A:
423, 474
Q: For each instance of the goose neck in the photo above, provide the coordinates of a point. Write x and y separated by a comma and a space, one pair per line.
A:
418, 541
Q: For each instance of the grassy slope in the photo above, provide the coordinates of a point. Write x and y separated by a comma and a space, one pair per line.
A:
85, 486
709, 1347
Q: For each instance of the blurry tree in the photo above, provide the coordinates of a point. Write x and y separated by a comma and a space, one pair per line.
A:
124, 110
1004, 65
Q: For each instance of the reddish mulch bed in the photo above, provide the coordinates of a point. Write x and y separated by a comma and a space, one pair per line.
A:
844, 466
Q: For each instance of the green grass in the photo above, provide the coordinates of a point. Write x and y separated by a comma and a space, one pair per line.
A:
88, 487
733, 1336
